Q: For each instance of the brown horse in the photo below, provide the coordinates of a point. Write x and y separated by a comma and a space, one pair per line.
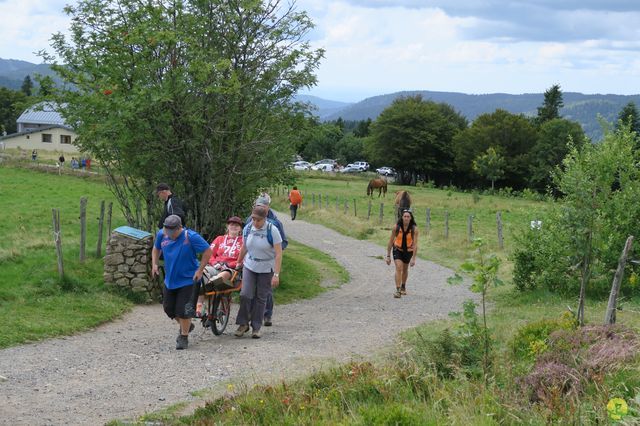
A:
402, 202
379, 184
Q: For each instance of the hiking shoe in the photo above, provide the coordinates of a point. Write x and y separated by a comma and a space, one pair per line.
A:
397, 294
403, 290
267, 322
241, 330
255, 334
182, 342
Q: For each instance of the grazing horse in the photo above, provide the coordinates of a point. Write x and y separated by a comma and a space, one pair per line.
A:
379, 184
402, 201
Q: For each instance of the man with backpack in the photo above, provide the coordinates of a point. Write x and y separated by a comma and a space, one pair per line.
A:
172, 204
295, 198
264, 200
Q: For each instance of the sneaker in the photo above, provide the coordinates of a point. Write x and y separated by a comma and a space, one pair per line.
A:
241, 330
403, 290
255, 334
182, 342
397, 294
267, 322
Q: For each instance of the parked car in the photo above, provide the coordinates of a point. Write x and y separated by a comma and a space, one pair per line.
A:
324, 167
386, 171
301, 165
351, 168
334, 163
362, 164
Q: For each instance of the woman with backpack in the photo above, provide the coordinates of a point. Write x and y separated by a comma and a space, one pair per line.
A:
261, 258
404, 242
295, 198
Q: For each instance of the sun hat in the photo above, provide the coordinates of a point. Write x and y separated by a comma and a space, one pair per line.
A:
263, 200
235, 219
162, 187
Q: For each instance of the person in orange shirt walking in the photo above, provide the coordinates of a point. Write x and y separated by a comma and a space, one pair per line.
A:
404, 241
295, 198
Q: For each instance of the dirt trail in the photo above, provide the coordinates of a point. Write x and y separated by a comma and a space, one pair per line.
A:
130, 366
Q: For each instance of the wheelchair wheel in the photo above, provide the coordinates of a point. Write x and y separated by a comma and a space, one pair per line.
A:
221, 311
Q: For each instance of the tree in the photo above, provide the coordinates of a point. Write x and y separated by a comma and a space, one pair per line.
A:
552, 145
12, 104
194, 93
414, 136
490, 165
349, 149
511, 135
27, 86
600, 183
550, 109
322, 142
629, 115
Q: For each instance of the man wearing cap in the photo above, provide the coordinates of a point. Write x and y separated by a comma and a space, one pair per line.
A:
179, 247
172, 204
264, 200
261, 257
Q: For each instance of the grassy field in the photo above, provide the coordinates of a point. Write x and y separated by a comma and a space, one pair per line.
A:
36, 304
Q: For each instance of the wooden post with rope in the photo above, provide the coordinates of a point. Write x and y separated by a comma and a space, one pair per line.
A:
58, 240
100, 230
83, 227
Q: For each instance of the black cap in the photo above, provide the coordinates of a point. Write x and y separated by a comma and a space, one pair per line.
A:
162, 187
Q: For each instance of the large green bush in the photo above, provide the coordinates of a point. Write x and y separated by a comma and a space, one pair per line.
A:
588, 226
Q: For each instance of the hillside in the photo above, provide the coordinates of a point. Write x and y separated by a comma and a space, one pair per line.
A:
323, 108
577, 106
13, 72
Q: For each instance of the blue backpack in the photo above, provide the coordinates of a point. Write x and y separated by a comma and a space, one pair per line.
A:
247, 230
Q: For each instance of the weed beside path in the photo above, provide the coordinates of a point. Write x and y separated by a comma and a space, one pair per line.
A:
130, 366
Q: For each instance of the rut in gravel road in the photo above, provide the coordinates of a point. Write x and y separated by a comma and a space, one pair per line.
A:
128, 367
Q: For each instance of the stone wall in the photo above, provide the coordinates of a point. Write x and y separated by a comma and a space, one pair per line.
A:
127, 263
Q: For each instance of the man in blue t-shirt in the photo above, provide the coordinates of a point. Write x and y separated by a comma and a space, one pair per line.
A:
179, 247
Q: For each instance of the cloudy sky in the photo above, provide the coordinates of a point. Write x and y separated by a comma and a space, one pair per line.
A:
474, 46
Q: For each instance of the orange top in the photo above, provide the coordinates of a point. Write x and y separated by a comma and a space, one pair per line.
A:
398, 241
295, 197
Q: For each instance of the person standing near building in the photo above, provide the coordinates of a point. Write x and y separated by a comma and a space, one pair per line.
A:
295, 199
261, 257
179, 247
61, 160
34, 155
172, 204
264, 200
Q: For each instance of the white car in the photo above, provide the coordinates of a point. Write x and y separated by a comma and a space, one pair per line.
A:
351, 168
301, 165
325, 167
386, 171
362, 164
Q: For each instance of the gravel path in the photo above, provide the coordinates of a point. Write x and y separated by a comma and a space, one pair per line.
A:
130, 366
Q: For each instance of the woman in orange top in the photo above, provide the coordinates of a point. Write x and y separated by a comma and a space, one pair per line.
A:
295, 198
404, 241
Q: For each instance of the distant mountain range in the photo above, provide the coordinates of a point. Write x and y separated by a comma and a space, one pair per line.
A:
577, 106
13, 72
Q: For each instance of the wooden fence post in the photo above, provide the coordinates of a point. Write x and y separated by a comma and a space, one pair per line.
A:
313, 200
381, 212
610, 315
109, 213
499, 222
470, 228
446, 224
337, 205
355, 208
58, 240
346, 206
428, 219
100, 229
320, 201
369, 210
83, 227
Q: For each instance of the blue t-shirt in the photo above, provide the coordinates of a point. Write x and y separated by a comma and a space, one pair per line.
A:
180, 260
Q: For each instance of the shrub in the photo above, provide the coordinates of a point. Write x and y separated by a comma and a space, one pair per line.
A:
532, 339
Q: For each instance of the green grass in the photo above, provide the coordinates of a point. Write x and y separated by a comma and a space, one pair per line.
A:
36, 304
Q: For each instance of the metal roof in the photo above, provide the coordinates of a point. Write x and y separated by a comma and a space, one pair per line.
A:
42, 113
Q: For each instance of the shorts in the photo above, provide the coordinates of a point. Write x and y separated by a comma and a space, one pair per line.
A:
174, 300
404, 256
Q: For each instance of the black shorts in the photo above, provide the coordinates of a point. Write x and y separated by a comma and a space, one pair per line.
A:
173, 301
404, 256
